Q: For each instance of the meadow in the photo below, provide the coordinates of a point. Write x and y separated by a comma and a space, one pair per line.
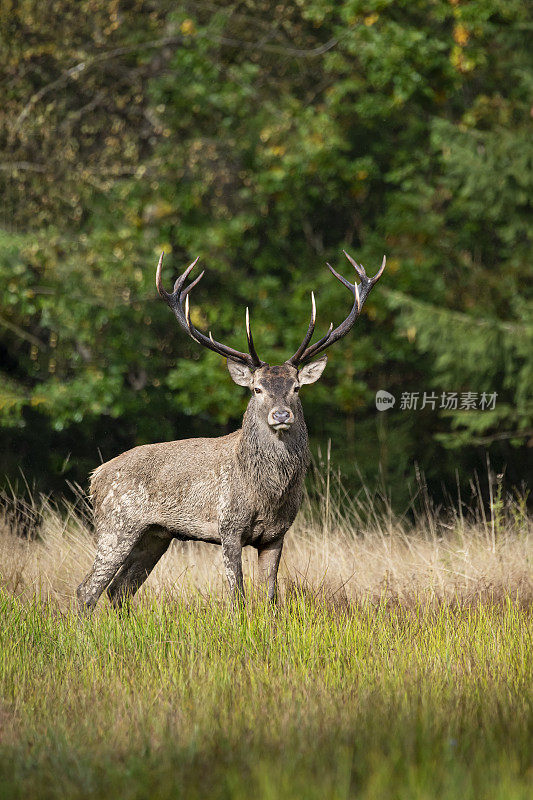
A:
397, 663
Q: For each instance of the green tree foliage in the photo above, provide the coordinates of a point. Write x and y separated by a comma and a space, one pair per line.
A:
265, 140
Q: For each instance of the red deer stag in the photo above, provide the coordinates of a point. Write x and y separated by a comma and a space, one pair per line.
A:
241, 489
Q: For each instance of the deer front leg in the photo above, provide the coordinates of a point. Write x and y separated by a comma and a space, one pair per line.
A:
232, 555
268, 558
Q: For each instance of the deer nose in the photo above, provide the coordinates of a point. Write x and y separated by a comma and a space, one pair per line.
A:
280, 418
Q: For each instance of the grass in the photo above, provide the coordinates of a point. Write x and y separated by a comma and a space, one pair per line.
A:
398, 663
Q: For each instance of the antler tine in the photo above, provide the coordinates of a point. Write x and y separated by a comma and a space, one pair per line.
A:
180, 282
361, 270
325, 338
340, 278
255, 358
380, 271
360, 293
158, 281
357, 267
307, 338
178, 301
188, 288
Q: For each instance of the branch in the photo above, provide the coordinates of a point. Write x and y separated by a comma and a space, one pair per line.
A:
22, 334
275, 48
77, 69
87, 64
6, 166
496, 437
459, 316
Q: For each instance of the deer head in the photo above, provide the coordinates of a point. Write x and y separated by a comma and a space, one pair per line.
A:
274, 388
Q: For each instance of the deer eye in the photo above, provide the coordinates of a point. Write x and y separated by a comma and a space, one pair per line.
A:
296, 389
257, 390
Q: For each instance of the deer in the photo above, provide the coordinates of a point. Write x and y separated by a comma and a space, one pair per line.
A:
244, 488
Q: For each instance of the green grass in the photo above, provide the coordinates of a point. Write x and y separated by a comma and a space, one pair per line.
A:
398, 664
317, 699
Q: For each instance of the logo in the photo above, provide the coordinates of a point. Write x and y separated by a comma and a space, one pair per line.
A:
384, 400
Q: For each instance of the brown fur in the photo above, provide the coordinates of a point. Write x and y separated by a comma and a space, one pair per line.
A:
235, 490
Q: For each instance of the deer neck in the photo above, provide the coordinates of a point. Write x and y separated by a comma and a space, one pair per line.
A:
271, 461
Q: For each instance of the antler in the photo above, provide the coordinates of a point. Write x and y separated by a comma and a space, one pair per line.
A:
360, 293
178, 301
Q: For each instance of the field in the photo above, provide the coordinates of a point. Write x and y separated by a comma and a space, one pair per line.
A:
398, 663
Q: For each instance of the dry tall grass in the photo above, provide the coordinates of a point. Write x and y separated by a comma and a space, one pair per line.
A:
349, 548
331, 695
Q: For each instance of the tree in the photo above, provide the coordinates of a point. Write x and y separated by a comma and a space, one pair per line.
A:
266, 146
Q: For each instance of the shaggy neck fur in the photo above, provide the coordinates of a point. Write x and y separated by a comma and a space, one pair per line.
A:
272, 461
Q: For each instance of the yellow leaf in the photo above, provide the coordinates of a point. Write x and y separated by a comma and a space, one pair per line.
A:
460, 35
187, 27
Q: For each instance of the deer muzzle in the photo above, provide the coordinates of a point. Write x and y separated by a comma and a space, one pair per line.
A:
280, 419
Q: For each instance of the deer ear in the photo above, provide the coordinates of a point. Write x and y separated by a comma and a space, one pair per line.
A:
312, 372
241, 374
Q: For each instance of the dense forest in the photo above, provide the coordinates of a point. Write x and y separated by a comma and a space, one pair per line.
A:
266, 138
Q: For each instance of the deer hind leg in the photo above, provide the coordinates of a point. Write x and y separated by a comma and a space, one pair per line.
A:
112, 552
137, 568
